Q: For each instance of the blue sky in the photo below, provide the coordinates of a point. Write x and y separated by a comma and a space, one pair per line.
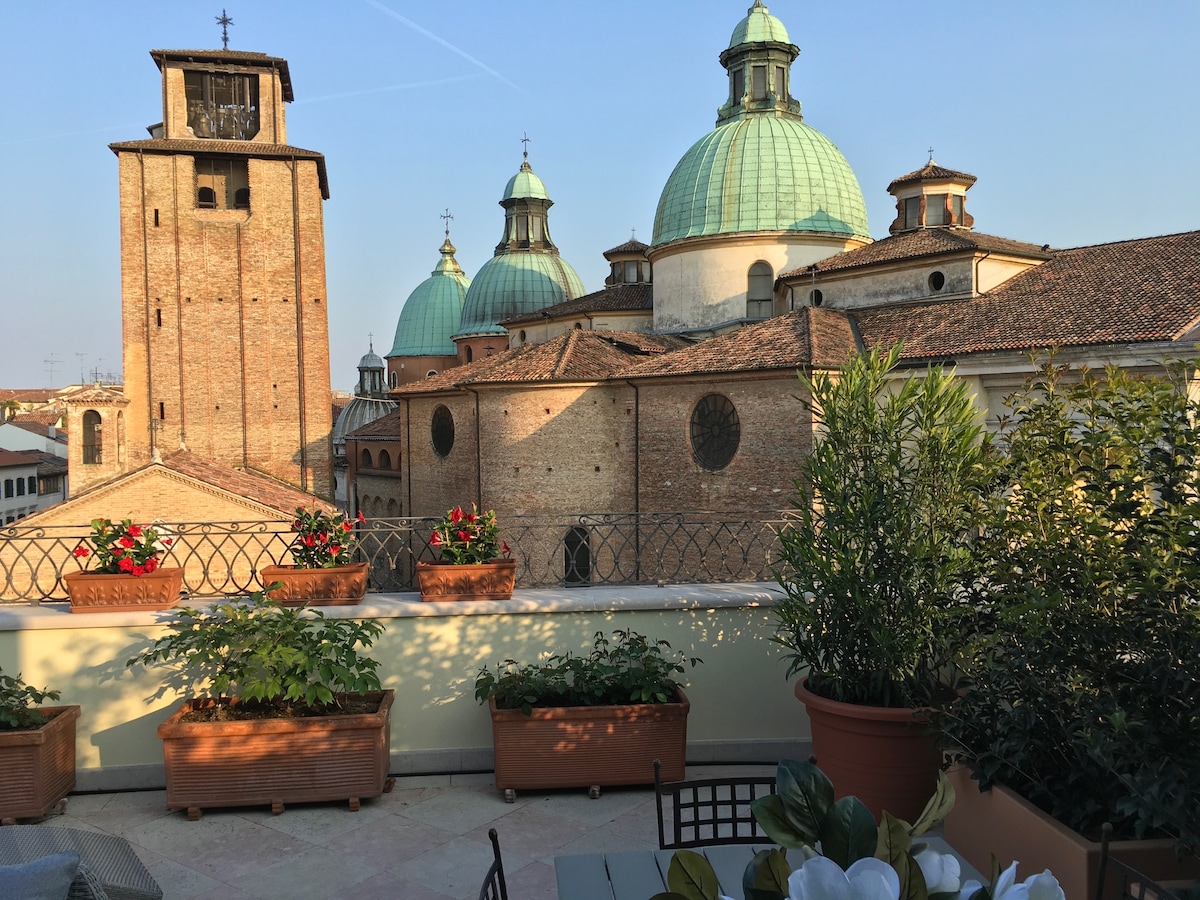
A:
1078, 117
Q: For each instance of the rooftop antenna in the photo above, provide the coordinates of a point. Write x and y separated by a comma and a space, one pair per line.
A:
80, 356
224, 21
447, 218
50, 364
525, 140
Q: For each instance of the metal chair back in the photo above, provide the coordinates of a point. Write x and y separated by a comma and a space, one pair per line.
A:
494, 887
709, 811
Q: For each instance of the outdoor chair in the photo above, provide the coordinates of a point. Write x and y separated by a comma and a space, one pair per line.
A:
494, 887
709, 811
108, 870
1134, 885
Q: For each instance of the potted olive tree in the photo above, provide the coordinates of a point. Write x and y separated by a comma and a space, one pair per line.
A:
37, 750
282, 707
588, 721
874, 566
1084, 681
323, 572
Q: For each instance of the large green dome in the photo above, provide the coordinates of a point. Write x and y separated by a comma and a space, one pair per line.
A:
513, 284
432, 311
761, 173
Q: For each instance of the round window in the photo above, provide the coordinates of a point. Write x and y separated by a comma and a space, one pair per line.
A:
817, 298
441, 429
715, 430
937, 281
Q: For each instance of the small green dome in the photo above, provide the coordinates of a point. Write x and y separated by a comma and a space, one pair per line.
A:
525, 185
512, 284
761, 173
758, 26
432, 311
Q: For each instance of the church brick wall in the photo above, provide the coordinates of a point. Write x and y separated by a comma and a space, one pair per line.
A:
438, 483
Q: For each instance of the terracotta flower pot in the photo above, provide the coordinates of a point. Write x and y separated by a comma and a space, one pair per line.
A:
886, 757
276, 761
37, 767
339, 586
102, 592
589, 746
482, 581
999, 821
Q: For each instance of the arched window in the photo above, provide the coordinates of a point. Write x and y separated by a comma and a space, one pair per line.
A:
393, 510
92, 448
206, 198
385, 459
365, 460
577, 558
241, 198
759, 294
470, 354
393, 378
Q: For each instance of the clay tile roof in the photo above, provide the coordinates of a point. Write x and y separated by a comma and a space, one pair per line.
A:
252, 485
252, 149
384, 428
801, 338
29, 395
923, 242
15, 458
616, 298
931, 172
42, 430
630, 246
1136, 291
49, 417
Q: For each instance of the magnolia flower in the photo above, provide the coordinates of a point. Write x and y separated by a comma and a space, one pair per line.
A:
821, 878
1036, 887
941, 870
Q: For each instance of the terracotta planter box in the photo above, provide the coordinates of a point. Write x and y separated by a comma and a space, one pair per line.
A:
1000, 822
589, 746
276, 761
93, 592
883, 756
37, 768
340, 586
484, 581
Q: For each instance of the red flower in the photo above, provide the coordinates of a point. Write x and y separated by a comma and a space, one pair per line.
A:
471, 517
464, 536
310, 541
295, 525
139, 570
436, 540
135, 531
128, 542
456, 515
360, 517
335, 549
346, 526
504, 548
81, 551
151, 564
126, 564
118, 552
167, 542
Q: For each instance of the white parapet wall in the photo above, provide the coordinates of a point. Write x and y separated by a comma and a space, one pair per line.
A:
743, 708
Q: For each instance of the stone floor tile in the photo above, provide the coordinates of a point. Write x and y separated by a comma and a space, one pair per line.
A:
317, 873
392, 840
317, 823
532, 882
459, 811
454, 868
534, 831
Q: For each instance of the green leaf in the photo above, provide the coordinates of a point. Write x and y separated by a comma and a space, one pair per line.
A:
937, 808
894, 840
848, 833
766, 876
692, 876
772, 818
807, 794
912, 882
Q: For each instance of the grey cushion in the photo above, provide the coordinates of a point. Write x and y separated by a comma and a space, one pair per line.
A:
46, 878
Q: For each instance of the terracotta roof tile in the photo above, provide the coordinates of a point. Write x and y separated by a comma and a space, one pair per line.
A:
246, 483
49, 417
633, 245
1145, 290
618, 297
805, 337
252, 149
15, 458
29, 395
930, 172
922, 242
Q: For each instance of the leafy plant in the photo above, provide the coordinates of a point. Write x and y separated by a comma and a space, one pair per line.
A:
880, 550
124, 548
630, 668
262, 652
19, 702
802, 816
469, 537
1085, 678
323, 540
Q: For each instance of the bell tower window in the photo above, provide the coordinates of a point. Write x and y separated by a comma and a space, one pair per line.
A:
222, 183
92, 447
222, 105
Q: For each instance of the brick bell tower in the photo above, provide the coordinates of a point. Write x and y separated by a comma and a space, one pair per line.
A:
224, 326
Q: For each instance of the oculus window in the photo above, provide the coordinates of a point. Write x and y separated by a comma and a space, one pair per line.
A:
715, 431
441, 429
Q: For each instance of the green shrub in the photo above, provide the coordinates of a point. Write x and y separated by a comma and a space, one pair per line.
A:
1085, 693
19, 702
628, 669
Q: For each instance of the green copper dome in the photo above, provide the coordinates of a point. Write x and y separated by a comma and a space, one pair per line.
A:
525, 185
761, 173
433, 310
511, 284
758, 26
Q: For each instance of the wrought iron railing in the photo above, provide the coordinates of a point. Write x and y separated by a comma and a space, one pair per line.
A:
222, 558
